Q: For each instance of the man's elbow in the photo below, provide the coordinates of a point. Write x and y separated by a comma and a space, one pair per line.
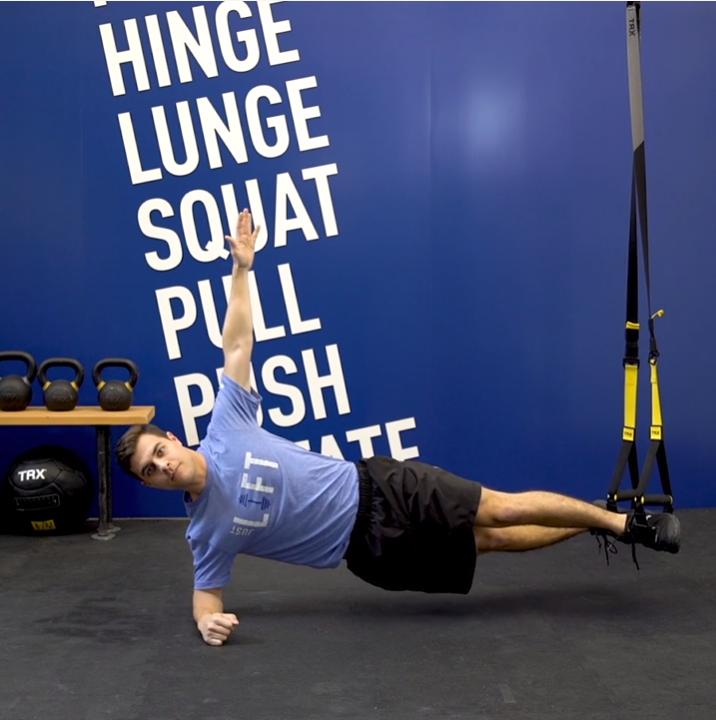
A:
237, 366
238, 349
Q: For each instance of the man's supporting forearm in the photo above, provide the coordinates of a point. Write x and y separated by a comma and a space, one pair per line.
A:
207, 602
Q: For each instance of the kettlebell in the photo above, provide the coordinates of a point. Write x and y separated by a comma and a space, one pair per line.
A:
16, 391
61, 395
115, 395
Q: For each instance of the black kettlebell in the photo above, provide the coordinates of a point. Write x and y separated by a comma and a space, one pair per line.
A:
115, 395
16, 391
61, 395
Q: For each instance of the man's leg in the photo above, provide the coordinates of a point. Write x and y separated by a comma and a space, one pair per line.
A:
520, 539
499, 510
659, 531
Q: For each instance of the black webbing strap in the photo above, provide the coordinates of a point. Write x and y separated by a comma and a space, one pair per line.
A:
638, 224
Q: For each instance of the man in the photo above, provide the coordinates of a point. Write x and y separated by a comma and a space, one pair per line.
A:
398, 525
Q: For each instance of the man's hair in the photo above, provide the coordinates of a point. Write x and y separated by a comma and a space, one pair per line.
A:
127, 445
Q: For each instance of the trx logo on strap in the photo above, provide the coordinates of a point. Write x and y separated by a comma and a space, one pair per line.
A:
43, 525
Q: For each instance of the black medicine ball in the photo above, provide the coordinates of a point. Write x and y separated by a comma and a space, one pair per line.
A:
48, 490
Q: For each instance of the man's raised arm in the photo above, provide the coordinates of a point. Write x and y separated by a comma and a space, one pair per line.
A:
238, 332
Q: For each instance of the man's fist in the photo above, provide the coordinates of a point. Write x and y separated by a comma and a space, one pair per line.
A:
215, 628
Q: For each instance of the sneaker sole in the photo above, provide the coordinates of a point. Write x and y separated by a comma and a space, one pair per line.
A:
673, 533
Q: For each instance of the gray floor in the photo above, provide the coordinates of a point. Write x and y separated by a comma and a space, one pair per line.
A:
96, 630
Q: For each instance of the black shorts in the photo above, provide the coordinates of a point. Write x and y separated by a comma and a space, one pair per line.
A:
414, 527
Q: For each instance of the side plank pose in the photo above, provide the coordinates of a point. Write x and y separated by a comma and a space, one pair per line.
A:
399, 525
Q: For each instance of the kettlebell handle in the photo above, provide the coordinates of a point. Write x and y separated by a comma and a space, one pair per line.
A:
115, 362
76, 365
28, 359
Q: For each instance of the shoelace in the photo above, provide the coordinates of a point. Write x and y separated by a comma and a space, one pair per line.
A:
610, 547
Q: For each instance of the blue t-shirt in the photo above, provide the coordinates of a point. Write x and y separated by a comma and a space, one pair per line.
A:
265, 496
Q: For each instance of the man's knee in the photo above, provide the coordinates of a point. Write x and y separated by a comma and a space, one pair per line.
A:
489, 539
497, 509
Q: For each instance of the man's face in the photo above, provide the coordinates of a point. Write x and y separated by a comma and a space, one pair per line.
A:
162, 462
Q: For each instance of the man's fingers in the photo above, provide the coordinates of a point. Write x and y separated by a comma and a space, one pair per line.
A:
239, 223
218, 631
216, 627
245, 239
245, 222
233, 242
223, 621
214, 635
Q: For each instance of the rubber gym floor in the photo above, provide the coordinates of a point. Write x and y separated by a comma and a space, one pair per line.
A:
93, 629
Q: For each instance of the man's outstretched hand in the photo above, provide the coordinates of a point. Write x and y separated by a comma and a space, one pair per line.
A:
242, 245
215, 628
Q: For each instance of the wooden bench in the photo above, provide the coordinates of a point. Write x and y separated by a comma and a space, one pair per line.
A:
102, 420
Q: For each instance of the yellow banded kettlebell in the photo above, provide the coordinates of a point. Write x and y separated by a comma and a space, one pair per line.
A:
115, 395
16, 390
61, 395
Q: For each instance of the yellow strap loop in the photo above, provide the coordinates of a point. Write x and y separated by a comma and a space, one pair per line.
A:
656, 420
631, 383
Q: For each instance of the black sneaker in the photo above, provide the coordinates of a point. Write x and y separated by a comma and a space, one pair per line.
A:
658, 531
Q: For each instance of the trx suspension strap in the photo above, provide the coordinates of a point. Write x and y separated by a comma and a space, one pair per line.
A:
637, 494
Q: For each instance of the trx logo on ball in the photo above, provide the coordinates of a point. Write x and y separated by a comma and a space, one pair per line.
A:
44, 525
32, 474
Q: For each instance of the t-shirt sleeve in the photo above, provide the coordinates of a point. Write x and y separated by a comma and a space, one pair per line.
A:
212, 567
235, 408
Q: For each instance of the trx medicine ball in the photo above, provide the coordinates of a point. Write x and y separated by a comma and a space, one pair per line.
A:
48, 489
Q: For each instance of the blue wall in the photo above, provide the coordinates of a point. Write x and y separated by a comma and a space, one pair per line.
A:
467, 266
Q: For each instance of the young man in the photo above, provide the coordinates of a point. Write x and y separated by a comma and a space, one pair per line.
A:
398, 525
